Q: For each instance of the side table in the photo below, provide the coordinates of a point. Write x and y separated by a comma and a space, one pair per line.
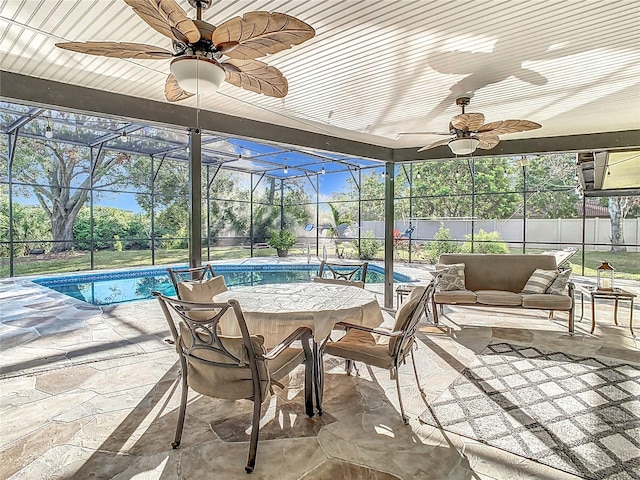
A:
616, 295
403, 291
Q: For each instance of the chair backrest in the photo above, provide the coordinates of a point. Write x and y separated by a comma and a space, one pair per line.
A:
344, 271
407, 319
195, 274
216, 365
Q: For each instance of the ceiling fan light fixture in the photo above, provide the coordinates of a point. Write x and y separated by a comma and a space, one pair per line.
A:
464, 146
197, 74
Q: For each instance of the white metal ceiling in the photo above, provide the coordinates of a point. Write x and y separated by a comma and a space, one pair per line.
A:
376, 68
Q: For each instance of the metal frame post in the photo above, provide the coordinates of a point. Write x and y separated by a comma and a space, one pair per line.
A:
389, 216
195, 197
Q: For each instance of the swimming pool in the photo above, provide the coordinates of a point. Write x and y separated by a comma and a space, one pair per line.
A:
128, 286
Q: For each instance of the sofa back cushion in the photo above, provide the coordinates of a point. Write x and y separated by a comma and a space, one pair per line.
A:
486, 271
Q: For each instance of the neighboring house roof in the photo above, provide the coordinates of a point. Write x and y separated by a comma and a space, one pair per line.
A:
593, 208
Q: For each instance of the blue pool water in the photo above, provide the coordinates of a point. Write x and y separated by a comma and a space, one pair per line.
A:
119, 287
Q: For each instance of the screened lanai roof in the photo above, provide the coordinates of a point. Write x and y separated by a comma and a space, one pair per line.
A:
373, 71
233, 153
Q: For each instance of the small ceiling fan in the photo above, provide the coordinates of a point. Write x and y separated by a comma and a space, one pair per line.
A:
198, 47
470, 132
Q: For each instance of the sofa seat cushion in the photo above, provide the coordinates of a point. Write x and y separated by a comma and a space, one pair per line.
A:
455, 296
498, 297
546, 301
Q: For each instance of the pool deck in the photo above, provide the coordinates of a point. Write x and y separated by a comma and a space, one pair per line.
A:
92, 392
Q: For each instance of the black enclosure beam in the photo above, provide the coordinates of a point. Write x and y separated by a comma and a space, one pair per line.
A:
623, 140
47, 93
195, 198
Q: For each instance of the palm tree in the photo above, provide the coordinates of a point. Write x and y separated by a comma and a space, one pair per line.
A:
337, 224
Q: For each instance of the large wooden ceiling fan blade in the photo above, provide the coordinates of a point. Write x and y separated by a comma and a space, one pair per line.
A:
117, 49
257, 34
206, 29
468, 122
509, 126
256, 76
173, 92
435, 144
488, 141
163, 15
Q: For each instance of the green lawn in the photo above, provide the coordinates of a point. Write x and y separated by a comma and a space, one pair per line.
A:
106, 259
627, 264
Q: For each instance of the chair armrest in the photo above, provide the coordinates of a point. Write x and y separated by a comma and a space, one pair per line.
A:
387, 333
298, 334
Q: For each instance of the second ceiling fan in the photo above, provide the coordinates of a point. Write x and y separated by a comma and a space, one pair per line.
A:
198, 47
467, 131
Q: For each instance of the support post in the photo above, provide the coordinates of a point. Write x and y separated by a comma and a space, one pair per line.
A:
195, 198
389, 217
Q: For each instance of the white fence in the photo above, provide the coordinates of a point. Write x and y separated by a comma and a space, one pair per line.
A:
546, 233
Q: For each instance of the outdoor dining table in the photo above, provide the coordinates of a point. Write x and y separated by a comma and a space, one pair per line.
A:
276, 310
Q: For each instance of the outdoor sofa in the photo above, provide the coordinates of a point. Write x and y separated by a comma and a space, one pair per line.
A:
503, 280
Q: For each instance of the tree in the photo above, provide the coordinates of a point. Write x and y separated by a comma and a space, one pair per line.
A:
335, 225
619, 207
109, 225
59, 176
171, 198
551, 186
443, 189
29, 227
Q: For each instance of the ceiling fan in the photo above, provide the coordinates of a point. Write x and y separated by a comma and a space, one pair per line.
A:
198, 47
470, 132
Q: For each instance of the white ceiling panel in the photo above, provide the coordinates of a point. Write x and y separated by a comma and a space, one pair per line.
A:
376, 69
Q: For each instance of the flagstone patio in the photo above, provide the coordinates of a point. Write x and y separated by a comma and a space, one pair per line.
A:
92, 392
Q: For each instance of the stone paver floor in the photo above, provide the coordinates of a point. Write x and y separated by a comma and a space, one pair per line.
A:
88, 392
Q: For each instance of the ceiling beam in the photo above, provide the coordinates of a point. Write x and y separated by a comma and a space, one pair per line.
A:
47, 93
626, 139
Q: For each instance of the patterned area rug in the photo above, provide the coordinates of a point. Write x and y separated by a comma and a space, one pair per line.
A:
577, 414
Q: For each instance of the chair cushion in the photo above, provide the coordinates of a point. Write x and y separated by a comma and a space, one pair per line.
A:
559, 284
451, 277
339, 281
202, 291
232, 381
455, 297
546, 301
362, 347
403, 313
498, 297
284, 363
539, 281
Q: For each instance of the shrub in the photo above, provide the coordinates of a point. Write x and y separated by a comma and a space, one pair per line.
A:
282, 239
117, 244
485, 242
369, 246
442, 243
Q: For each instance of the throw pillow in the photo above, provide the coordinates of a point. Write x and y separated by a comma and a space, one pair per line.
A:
559, 284
451, 277
539, 281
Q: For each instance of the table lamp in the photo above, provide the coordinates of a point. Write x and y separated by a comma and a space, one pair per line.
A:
605, 277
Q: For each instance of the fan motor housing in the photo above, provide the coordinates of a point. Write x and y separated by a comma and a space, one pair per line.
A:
203, 4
